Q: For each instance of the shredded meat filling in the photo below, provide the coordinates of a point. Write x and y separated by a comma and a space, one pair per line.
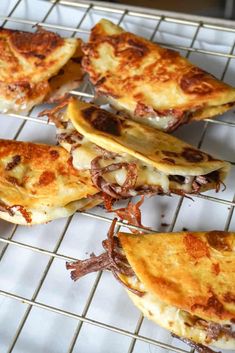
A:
215, 330
199, 181
69, 137
114, 190
11, 211
200, 348
55, 114
131, 214
113, 260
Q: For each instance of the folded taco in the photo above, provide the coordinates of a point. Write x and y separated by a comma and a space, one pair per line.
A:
183, 281
154, 85
126, 158
38, 183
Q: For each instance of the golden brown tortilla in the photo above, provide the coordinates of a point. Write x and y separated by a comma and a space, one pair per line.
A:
29, 60
193, 271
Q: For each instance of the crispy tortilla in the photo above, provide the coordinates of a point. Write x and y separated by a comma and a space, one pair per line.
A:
191, 271
29, 61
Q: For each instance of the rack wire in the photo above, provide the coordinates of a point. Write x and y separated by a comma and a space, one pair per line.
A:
8, 241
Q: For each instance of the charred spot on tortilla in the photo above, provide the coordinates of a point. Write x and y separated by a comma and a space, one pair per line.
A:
219, 240
15, 161
229, 297
195, 82
192, 155
102, 120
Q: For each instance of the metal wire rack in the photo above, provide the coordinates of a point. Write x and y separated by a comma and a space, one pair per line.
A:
8, 240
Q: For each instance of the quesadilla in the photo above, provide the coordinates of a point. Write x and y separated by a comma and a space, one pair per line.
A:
36, 67
183, 281
38, 183
126, 158
154, 85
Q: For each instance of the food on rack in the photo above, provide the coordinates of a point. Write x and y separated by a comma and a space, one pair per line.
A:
38, 183
126, 158
183, 281
36, 67
154, 85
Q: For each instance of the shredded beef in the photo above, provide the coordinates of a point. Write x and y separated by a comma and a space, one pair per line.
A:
114, 190
131, 214
55, 114
200, 348
71, 137
113, 260
81, 268
108, 201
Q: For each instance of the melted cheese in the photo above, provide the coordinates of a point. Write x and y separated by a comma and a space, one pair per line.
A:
154, 120
147, 175
45, 214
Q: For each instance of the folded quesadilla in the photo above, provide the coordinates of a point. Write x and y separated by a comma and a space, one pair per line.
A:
126, 158
183, 281
154, 85
38, 183
36, 67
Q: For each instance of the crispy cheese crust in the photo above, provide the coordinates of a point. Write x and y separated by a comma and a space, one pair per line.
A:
38, 183
27, 62
148, 81
191, 271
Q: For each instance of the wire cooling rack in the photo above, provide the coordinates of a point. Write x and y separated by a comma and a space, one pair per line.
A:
41, 309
